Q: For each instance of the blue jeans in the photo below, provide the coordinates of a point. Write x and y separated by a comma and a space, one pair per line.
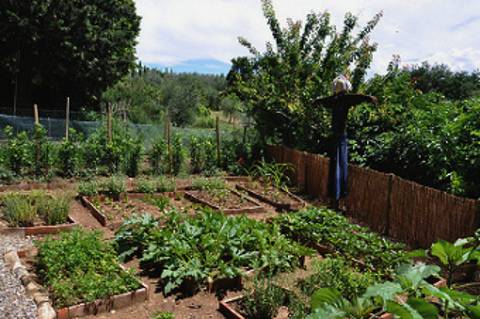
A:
339, 168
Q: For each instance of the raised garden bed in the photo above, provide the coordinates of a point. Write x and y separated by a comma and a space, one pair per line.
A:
46, 229
36, 212
231, 308
110, 213
273, 196
65, 262
225, 200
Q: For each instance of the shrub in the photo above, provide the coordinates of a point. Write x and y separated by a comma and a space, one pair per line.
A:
80, 267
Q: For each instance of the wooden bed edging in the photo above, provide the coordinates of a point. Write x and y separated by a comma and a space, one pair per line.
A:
290, 207
45, 309
255, 208
46, 229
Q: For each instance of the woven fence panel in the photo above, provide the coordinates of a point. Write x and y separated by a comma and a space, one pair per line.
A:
297, 161
274, 153
367, 199
316, 176
420, 215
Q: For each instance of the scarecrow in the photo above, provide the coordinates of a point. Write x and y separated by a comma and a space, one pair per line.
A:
340, 102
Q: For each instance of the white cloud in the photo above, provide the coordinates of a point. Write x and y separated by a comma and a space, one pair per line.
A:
443, 31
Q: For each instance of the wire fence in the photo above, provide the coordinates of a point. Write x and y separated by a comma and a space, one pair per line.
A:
55, 128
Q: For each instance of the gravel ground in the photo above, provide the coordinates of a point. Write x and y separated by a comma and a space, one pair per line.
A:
14, 304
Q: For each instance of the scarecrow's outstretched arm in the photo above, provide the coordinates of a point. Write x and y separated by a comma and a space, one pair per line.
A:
345, 100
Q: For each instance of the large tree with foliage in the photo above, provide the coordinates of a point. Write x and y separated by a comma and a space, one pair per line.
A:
440, 78
279, 84
53, 49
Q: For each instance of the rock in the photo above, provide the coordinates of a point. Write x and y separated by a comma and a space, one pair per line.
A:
45, 311
11, 258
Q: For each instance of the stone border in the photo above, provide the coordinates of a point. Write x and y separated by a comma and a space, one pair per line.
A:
290, 207
255, 208
45, 309
47, 229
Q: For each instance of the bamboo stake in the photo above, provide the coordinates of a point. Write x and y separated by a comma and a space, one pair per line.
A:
109, 122
217, 134
37, 142
67, 118
35, 114
169, 144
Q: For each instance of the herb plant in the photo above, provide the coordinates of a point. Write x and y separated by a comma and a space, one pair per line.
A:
80, 267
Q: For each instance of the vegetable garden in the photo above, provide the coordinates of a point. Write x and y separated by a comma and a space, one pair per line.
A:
194, 239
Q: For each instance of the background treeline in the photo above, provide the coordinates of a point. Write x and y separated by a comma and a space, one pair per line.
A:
148, 95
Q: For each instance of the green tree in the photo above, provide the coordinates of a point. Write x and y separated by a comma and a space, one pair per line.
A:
65, 48
279, 85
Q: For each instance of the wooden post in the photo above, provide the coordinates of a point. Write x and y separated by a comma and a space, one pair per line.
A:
67, 118
169, 144
36, 138
35, 114
217, 135
109, 122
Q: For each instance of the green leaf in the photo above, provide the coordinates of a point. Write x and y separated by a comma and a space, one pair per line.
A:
425, 309
386, 291
325, 296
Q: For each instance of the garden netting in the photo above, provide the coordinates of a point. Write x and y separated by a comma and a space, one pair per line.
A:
56, 127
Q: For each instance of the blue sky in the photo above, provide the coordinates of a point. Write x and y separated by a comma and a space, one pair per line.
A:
201, 36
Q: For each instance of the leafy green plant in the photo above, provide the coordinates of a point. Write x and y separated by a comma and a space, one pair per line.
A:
208, 184
54, 209
452, 256
69, 157
162, 202
262, 300
88, 188
133, 158
113, 187
313, 226
336, 272
177, 156
80, 267
18, 151
19, 210
132, 236
202, 154
273, 174
157, 156
163, 315
165, 184
144, 185
198, 249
